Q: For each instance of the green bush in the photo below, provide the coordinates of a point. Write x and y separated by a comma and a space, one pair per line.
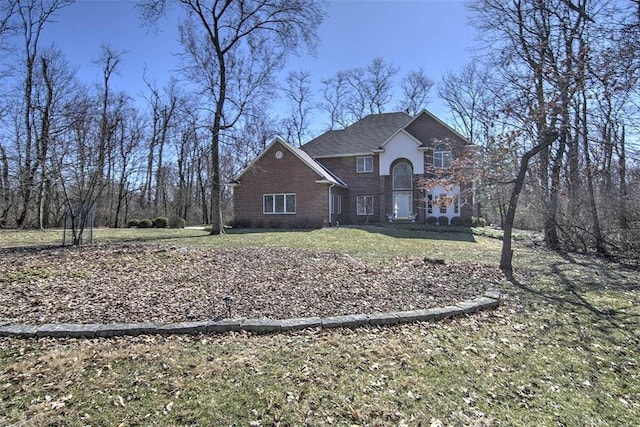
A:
145, 223
443, 220
133, 223
432, 220
161, 222
177, 222
478, 222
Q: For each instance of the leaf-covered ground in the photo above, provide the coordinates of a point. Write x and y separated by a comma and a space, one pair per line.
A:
561, 350
151, 283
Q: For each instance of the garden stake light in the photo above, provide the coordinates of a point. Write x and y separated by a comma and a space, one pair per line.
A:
228, 301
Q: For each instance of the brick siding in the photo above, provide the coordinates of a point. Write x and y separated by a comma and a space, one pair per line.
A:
269, 175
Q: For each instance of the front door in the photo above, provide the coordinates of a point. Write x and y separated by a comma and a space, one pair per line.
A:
402, 206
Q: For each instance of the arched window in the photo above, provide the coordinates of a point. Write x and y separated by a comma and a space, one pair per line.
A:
442, 156
402, 176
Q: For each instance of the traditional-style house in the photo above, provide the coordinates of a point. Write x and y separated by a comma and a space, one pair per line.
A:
385, 167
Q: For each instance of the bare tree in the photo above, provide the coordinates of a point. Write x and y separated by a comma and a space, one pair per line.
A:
187, 149
527, 51
468, 94
231, 49
298, 92
81, 157
32, 17
128, 137
5, 187
7, 12
376, 84
506, 256
163, 111
55, 78
473, 97
415, 87
356, 92
334, 94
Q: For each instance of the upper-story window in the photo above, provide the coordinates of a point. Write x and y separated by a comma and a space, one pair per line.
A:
442, 156
402, 176
364, 164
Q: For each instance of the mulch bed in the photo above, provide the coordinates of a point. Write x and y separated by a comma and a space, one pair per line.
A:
150, 283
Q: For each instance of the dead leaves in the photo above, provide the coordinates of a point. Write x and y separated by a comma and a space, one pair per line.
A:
146, 283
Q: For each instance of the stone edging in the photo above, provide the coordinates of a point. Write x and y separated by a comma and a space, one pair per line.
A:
490, 299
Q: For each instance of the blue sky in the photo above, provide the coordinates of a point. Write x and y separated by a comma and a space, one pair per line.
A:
433, 34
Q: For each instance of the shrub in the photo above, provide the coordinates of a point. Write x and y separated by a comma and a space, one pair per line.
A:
145, 223
478, 222
161, 222
133, 223
177, 222
242, 223
461, 221
457, 221
432, 220
443, 220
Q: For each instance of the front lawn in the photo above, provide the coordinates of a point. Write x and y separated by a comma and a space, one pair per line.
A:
562, 349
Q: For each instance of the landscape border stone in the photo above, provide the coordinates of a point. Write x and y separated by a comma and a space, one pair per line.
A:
345, 321
491, 299
224, 325
301, 323
389, 318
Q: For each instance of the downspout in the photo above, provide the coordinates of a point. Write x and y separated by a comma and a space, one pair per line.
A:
330, 203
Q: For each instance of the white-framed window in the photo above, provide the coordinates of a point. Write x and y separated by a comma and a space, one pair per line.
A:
364, 205
336, 204
456, 204
364, 164
402, 176
430, 203
279, 204
442, 156
443, 203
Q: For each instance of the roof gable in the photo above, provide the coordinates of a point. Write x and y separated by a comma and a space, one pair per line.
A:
428, 129
402, 131
321, 171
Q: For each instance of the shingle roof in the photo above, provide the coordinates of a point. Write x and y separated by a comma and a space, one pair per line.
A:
362, 137
325, 174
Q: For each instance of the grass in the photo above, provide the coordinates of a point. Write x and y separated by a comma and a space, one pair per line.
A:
561, 350
371, 242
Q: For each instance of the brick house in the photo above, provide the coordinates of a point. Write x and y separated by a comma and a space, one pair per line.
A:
368, 172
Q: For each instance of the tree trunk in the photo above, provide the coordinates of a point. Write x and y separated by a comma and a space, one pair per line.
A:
622, 172
593, 206
506, 257
5, 189
216, 205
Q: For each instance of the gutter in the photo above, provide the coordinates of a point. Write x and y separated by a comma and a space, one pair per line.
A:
330, 202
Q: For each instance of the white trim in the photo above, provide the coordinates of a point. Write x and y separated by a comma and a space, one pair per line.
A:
365, 170
336, 156
364, 199
442, 158
284, 201
402, 130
